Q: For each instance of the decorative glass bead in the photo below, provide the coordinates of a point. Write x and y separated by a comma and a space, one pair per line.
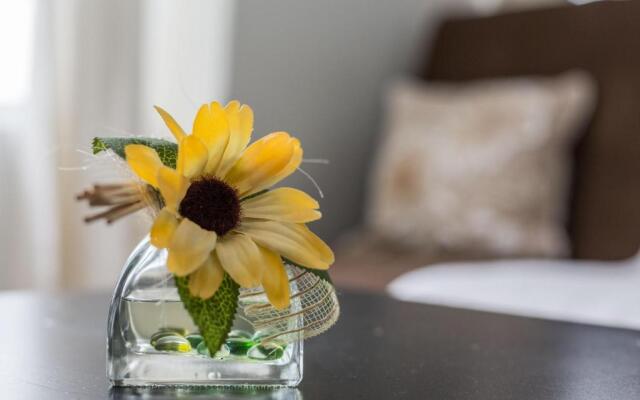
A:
173, 343
266, 351
194, 339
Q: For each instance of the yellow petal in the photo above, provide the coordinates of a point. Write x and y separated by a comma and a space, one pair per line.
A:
261, 162
240, 257
189, 248
144, 161
294, 163
232, 107
282, 204
192, 157
171, 123
212, 128
274, 279
173, 187
207, 279
163, 228
293, 241
240, 119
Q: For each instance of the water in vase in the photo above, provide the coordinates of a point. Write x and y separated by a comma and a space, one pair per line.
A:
153, 341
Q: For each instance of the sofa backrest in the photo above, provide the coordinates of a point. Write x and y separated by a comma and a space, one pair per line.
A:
602, 38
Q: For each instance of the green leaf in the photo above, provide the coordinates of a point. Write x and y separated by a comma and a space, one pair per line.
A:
214, 316
322, 274
168, 151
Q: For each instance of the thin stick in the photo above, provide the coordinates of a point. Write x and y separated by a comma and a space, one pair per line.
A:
110, 212
313, 181
126, 211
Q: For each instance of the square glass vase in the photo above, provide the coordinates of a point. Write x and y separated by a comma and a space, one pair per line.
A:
152, 340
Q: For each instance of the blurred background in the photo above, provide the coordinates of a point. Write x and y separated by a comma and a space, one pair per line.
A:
455, 131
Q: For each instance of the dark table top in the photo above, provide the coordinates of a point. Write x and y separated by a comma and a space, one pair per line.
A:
53, 347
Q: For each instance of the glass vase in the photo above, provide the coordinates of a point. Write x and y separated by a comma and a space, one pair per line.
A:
151, 339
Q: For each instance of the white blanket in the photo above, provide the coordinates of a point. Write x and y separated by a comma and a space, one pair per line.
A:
600, 293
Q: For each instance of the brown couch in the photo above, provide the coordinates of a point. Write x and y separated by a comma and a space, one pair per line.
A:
602, 38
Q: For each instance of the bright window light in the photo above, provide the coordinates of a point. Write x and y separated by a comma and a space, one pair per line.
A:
17, 23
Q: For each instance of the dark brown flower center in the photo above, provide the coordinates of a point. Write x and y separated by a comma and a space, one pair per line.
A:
212, 204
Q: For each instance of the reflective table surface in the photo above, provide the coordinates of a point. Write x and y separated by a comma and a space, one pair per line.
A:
53, 347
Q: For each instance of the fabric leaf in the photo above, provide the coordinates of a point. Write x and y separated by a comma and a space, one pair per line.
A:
214, 316
168, 151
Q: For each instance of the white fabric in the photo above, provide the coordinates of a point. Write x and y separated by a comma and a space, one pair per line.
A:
600, 293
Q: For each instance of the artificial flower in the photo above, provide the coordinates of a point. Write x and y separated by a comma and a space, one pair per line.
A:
218, 215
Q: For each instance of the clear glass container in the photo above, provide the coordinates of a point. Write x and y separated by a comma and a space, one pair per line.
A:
151, 339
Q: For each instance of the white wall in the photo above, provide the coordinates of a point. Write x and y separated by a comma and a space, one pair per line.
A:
317, 69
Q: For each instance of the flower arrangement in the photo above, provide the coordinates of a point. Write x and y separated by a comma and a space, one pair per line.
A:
229, 235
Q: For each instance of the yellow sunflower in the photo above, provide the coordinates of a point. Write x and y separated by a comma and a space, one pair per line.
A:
217, 215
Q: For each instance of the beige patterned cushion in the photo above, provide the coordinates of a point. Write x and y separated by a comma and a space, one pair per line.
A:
479, 167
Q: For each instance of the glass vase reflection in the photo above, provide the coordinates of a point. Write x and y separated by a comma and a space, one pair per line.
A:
151, 339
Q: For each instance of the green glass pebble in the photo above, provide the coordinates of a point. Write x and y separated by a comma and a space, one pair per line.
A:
194, 340
267, 351
259, 335
223, 352
174, 329
173, 343
160, 334
202, 349
238, 346
238, 333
